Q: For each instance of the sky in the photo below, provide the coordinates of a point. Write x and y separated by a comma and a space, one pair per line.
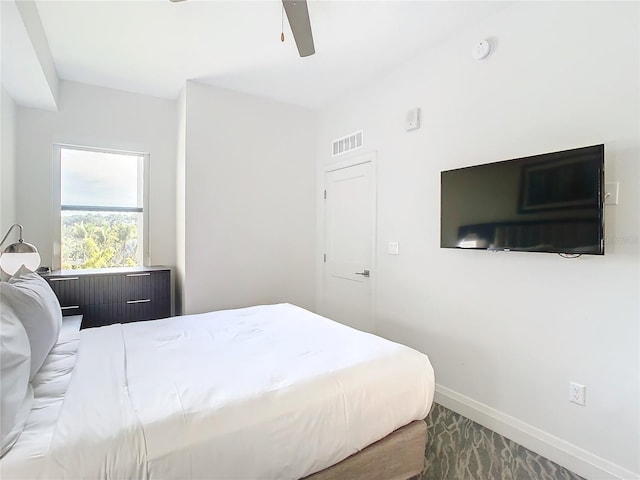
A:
99, 178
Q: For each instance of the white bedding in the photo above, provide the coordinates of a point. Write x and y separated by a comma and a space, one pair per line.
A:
27, 457
269, 392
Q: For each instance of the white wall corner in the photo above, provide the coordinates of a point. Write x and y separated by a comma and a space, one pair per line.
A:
574, 458
7, 161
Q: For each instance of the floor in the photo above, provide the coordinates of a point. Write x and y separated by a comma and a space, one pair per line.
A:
459, 449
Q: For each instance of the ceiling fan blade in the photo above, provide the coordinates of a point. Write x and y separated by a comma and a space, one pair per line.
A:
298, 16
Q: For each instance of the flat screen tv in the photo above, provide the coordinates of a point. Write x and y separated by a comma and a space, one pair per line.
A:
551, 202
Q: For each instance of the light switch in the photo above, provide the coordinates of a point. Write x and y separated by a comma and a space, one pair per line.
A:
611, 193
393, 248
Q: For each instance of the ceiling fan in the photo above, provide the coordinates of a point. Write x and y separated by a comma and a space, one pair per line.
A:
298, 16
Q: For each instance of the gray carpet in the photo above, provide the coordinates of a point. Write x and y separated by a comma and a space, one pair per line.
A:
459, 449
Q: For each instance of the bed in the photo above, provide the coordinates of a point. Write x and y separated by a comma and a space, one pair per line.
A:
265, 392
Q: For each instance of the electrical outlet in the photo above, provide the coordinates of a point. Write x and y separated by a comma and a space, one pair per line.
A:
576, 393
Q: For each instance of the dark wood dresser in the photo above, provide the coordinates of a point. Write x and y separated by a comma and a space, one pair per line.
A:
113, 295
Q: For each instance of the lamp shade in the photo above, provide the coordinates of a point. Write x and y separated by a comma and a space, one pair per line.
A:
18, 254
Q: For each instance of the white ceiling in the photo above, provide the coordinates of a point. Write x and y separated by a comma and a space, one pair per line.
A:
154, 46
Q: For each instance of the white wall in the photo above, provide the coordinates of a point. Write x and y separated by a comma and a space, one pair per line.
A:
181, 158
250, 201
508, 332
7, 164
105, 118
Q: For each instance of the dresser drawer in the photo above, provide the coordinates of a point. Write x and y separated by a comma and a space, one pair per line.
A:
134, 286
74, 291
123, 312
149, 285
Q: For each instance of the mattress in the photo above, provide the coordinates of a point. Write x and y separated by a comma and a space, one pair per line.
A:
269, 392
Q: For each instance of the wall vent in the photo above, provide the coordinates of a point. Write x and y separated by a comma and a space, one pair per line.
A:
347, 144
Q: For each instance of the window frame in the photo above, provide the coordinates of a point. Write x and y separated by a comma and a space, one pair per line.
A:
57, 198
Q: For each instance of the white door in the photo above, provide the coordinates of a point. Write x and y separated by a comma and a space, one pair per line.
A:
349, 245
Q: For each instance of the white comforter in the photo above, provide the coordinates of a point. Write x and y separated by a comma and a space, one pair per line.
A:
269, 392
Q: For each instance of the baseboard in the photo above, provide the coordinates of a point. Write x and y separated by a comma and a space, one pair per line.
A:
563, 453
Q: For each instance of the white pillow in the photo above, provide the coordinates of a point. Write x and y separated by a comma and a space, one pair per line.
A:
15, 365
38, 309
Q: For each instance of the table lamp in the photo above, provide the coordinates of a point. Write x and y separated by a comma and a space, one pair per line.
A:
18, 254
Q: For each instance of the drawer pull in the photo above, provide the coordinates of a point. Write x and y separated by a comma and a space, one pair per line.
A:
70, 307
63, 279
138, 274
139, 301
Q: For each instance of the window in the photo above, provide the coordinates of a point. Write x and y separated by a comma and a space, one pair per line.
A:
101, 208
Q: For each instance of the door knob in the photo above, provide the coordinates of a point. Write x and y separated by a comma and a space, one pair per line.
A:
364, 273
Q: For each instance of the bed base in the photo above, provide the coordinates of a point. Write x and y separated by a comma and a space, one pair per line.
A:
398, 456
